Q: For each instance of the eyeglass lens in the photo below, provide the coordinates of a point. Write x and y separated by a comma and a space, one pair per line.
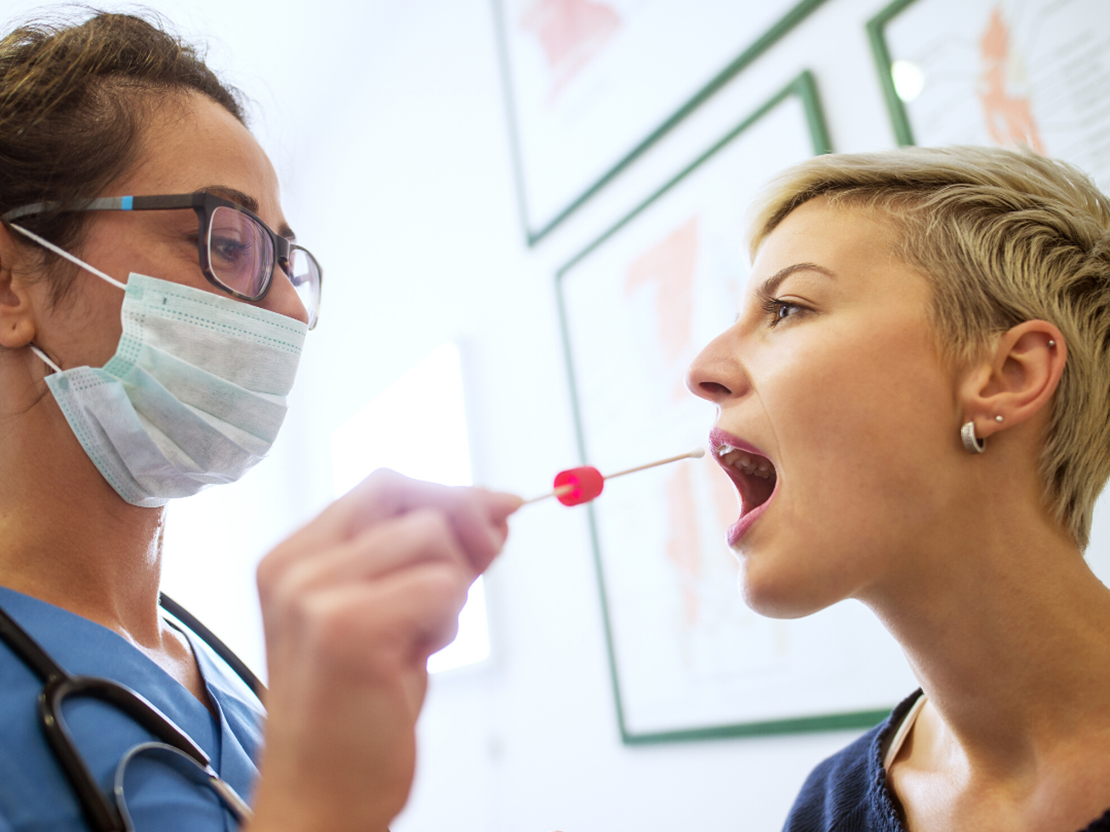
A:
241, 256
239, 251
305, 277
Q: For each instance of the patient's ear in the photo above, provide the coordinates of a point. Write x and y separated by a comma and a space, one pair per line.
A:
1016, 378
17, 312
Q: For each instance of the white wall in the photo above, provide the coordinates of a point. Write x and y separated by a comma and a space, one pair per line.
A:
387, 124
419, 150
531, 741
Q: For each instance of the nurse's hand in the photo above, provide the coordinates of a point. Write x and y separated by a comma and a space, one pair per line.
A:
353, 605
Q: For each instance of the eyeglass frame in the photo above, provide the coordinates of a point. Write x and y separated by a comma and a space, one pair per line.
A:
205, 205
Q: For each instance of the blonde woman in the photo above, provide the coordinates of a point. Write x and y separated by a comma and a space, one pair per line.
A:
922, 358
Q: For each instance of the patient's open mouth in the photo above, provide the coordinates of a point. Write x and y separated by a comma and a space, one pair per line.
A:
753, 474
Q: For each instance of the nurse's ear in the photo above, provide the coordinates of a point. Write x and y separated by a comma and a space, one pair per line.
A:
17, 312
1016, 379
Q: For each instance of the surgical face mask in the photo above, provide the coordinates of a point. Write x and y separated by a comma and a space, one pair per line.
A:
194, 395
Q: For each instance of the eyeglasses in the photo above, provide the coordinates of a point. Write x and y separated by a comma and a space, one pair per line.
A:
237, 250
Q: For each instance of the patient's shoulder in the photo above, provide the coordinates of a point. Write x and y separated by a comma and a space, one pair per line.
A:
848, 791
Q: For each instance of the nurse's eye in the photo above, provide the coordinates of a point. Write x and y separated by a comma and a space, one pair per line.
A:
778, 310
229, 251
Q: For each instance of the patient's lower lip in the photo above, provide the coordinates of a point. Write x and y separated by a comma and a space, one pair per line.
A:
738, 529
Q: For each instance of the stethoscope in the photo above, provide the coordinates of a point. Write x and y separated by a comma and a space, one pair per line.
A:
174, 747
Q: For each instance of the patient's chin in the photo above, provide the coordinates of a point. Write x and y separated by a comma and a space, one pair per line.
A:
778, 594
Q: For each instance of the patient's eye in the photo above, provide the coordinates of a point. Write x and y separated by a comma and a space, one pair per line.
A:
778, 310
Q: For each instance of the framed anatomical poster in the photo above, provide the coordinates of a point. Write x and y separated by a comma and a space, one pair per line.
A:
689, 660
1004, 72
590, 84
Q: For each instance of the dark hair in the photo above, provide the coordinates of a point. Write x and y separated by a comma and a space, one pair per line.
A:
73, 101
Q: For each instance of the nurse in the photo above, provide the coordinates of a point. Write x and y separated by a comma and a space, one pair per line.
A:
922, 359
153, 304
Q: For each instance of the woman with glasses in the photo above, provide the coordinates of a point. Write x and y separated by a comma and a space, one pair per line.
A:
153, 306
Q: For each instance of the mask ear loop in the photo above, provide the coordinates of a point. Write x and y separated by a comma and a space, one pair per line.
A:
46, 360
77, 262
63, 253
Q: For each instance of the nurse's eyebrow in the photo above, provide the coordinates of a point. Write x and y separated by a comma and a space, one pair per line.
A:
248, 202
768, 287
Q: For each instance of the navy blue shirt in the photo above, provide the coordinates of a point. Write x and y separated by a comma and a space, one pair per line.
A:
34, 793
848, 792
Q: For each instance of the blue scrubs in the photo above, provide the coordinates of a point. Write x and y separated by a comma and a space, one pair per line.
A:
34, 792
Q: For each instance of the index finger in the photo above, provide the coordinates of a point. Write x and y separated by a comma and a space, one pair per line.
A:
477, 517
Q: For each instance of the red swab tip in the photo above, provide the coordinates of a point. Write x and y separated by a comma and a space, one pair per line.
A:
578, 485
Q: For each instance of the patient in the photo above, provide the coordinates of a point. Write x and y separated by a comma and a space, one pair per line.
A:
923, 356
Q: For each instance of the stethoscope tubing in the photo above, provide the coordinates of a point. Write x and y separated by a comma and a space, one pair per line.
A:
218, 647
99, 812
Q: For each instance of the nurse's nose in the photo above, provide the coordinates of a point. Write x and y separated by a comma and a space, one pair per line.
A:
283, 298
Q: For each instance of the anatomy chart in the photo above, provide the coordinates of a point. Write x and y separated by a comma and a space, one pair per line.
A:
689, 659
1005, 72
589, 82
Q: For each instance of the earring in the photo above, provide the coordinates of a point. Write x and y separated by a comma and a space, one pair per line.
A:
972, 443
998, 418
1051, 343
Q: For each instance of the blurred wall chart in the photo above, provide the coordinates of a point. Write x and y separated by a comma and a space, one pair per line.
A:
1005, 72
688, 657
590, 83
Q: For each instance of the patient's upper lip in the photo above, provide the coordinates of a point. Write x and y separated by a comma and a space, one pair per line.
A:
719, 438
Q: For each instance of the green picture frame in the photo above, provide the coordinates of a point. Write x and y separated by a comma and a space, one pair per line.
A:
576, 276
537, 229
899, 118
1010, 73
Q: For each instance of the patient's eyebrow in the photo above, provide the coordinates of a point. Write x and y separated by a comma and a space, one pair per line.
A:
768, 287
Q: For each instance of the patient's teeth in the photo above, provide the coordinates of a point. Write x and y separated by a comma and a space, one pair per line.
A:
745, 462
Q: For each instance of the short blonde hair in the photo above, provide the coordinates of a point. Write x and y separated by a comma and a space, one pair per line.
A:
1006, 236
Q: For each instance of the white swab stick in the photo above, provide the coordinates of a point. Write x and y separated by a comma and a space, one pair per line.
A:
697, 453
561, 490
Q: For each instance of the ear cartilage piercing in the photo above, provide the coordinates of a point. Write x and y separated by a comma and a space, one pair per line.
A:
998, 418
972, 443
580, 485
1051, 343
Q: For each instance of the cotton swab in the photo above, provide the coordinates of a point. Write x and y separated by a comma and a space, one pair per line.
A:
580, 485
